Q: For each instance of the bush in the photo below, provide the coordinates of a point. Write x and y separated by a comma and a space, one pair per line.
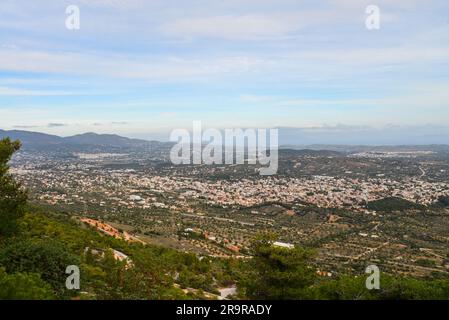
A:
278, 273
12, 197
393, 204
23, 286
48, 259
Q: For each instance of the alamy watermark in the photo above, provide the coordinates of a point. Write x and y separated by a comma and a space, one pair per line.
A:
373, 280
72, 282
372, 21
236, 146
73, 19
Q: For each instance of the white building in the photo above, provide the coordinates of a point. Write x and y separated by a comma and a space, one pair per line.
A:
283, 245
135, 198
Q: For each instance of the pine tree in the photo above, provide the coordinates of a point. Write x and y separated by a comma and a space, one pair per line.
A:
12, 196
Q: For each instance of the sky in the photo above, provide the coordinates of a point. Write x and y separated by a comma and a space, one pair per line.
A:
142, 68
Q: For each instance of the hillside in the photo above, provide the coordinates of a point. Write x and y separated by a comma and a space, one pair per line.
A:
393, 204
29, 138
41, 140
65, 241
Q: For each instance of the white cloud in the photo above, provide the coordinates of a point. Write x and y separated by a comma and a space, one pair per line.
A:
308, 64
8, 91
229, 27
249, 26
117, 4
151, 68
417, 96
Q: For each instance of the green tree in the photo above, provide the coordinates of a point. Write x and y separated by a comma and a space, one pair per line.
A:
278, 273
391, 288
144, 279
47, 258
23, 286
12, 196
443, 201
344, 288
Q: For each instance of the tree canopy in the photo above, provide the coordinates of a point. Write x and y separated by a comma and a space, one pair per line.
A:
278, 273
12, 196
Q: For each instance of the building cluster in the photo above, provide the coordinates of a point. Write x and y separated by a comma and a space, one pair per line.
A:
135, 189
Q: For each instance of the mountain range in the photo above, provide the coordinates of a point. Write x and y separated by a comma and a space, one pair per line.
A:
90, 140
36, 139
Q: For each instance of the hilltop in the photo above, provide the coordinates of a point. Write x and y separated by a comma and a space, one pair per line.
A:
37, 140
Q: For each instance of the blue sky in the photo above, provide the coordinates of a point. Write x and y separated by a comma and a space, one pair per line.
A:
141, 68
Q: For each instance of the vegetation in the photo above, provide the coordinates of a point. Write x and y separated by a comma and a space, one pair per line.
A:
23, 286
278, 273
443, 201
353, 288
12, 197
48, 258
393, 204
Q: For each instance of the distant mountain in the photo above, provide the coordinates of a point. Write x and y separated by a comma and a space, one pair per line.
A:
32, 138
364, 136
94, 141
323, 152
104, 140
36, 139
366, 148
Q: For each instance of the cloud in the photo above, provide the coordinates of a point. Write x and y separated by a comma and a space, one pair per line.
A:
386, 4
229, 27
119, 122
151, 68
364, 135
308, 64
56, 125
417, 96
114, 123
257, 98
116, 4
168, 114
9, 91
250, 26
25, 126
